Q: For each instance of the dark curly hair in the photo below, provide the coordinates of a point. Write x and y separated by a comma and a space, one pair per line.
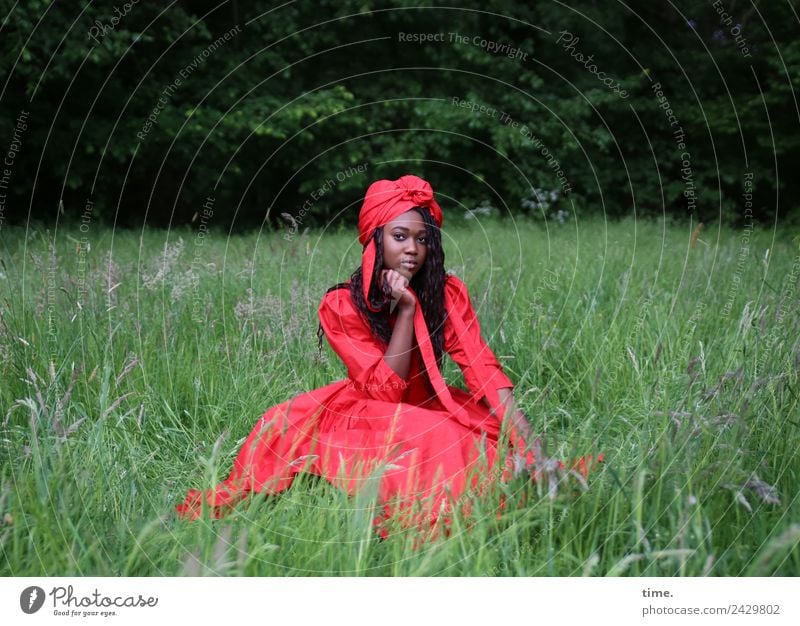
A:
428, 284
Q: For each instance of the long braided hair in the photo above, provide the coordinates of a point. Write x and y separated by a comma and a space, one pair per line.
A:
428, 284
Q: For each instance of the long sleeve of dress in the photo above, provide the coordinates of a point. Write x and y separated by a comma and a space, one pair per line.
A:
351, 338
482, 371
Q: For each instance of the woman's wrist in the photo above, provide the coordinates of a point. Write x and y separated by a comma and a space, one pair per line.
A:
406, 307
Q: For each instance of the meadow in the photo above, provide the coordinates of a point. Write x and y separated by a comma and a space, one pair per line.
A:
134, 363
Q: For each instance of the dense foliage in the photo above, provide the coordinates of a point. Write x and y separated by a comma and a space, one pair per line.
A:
137, 111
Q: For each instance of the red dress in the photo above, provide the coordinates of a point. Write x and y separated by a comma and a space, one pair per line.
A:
375, 424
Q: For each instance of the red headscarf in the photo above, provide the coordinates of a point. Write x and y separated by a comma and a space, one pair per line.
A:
384, 201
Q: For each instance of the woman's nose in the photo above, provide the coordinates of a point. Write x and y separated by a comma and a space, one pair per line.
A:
411, 246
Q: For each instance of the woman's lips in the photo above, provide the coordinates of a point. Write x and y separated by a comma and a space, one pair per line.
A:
409, 265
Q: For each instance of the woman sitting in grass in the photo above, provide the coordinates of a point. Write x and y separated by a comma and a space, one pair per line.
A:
393, 417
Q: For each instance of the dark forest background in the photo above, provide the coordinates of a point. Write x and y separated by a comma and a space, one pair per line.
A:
301, 94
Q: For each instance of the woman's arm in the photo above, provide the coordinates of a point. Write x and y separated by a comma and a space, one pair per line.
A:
364, 356
398, 352
482, 371
463, 342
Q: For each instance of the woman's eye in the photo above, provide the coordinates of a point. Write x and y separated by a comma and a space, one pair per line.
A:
399, 237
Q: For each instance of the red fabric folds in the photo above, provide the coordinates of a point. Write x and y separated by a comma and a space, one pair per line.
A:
374, 423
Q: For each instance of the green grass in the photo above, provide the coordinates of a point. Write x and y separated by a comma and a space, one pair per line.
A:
132, 371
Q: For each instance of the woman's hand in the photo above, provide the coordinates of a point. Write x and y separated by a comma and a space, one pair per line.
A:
521, 424
398, 285
516, 416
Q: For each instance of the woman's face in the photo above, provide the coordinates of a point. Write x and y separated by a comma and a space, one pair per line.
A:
405, 244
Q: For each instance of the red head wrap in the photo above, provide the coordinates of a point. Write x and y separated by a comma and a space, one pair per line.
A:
386, 199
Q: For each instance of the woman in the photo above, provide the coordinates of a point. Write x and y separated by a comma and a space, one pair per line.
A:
394, 417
